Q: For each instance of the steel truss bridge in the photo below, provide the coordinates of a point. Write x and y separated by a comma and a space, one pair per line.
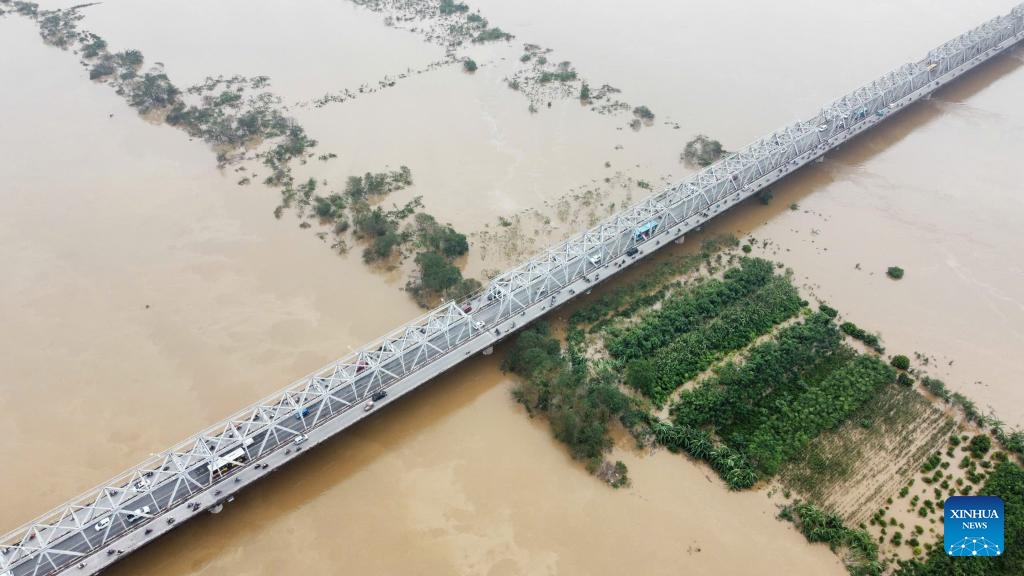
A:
200, 474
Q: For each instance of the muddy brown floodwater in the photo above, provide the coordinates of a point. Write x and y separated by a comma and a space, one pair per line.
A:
143, 295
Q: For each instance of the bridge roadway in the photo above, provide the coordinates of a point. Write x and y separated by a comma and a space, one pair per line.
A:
96, 529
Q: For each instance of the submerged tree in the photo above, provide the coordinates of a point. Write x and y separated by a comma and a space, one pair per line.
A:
702, 151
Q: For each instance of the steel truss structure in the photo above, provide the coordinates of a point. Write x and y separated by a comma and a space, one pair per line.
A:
203, 471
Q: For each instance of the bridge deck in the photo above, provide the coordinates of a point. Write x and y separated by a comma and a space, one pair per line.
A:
99, 527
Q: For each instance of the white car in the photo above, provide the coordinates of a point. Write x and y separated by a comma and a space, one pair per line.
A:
102, 524
141, 484
300, 439
138, 513
478, 325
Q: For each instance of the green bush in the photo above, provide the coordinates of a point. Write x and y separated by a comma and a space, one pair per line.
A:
858, 333
491, 35
979, 445
894, 272
442, 239
436, 273
900, 362
702, 151
129, 58
818, 525
449, 7
100, 70
936, 387
469, 65
732, 466
644, 113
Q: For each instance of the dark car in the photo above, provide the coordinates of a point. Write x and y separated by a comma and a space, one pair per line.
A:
379, 395
633, 250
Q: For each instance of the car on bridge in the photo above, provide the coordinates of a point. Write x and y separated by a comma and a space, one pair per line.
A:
102, 524
137, 514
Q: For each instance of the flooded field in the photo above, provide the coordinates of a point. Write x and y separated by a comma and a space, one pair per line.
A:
145, 295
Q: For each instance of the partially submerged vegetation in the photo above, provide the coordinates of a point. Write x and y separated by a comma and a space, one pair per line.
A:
693, 331
233, 115
240, 120
1006, 481
455, 25
806, 369
818, 525
766, 390
702, 151
438, 278
578, 399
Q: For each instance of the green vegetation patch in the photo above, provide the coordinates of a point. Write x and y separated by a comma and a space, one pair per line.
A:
687, 310
732, 328
643, 113
750, 405
580, 402
819, 525
857, 333
730, 464
492, 35
449, 7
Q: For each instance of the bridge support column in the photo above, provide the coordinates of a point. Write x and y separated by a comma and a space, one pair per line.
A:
489, 351
217, 509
